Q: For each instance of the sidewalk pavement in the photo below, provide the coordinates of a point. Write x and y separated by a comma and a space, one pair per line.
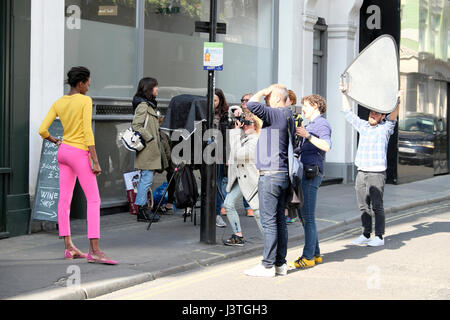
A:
32, 267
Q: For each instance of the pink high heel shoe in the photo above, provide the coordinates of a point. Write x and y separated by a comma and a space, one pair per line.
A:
74, 254
100, 257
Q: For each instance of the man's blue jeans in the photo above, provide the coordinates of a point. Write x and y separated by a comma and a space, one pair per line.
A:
272, 202
307, 212
144, 184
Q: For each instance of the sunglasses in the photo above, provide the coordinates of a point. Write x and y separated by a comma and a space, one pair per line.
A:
245, 100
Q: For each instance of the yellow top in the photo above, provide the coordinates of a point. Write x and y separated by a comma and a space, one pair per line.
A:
75, 113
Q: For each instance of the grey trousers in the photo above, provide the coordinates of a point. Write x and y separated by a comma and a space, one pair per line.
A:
369, 188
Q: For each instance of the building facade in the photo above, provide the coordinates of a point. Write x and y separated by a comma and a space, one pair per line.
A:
305, 45
14, 117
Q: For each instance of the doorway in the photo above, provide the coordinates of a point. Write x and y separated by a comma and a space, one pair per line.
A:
4, 171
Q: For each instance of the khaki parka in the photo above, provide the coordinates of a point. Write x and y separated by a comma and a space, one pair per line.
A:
148, 158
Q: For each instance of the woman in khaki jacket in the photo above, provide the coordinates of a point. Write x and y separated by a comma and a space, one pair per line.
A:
146, 122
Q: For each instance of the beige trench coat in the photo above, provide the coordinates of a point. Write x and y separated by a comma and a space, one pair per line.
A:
242, 166
148, 158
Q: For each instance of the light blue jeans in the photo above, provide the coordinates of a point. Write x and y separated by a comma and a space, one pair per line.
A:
230, 206
144, 185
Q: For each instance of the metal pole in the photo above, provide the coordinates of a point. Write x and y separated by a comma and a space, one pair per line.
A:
209, 172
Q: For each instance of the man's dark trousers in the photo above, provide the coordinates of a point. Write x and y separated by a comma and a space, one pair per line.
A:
369, 193
272, 202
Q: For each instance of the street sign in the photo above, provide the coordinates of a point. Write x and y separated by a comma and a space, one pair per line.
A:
213, 56
205, 27
47, 189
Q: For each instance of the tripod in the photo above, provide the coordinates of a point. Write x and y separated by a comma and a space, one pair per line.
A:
164, 194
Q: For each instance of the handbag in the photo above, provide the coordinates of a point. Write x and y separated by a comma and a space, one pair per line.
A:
311, 171
132, 140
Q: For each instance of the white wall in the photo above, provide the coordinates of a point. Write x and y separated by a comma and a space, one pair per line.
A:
290, 47
343, 30
47, 71
295, 65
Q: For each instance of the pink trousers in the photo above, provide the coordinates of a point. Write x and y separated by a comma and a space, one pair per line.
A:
75, 163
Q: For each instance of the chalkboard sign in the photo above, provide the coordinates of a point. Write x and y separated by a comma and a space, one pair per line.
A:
47, 189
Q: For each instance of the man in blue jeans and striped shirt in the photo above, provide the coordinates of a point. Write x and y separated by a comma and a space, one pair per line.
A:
371, 162
272, 163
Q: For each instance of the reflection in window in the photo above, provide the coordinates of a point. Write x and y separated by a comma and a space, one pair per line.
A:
413, 124
173, 50
105, 41
120, 12
173, 16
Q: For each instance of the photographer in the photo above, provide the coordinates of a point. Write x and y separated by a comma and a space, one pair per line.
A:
315, 142
242, 173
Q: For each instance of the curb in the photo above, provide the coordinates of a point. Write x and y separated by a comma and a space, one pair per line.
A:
110, 286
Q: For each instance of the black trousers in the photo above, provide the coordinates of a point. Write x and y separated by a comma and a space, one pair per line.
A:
369, 188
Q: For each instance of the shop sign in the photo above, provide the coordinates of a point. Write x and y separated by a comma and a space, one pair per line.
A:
108, 11
213, 56
167, 10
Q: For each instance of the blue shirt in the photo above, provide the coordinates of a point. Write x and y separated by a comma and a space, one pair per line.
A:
310, 154
273, 142
373, 142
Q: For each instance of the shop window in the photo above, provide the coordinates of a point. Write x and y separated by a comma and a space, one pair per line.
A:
102, 36
173, 49
119, 12
120, 42
319, 60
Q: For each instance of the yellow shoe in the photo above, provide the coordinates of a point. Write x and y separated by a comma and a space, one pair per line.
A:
318, 260
302, 263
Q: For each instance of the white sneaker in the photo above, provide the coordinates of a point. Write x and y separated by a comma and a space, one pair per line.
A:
220, 223
261, 271
376, 242
282, 270
361, 240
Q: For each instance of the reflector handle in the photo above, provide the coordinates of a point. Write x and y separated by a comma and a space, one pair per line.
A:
344, 83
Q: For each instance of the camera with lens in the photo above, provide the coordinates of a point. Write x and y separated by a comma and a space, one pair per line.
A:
232, 119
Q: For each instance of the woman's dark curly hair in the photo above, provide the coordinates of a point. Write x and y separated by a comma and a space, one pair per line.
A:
316, 100
77, 75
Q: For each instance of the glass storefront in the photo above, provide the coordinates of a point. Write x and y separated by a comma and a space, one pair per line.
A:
105, 36
122, 40
424, 73
102, 36
173, 49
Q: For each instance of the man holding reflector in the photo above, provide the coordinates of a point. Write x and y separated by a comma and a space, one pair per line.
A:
371, 162
374, 84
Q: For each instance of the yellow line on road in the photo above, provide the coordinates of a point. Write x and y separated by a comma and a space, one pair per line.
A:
326, 220
212, 253
186, 281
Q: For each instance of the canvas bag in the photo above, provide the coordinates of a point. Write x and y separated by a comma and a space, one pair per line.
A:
132, 140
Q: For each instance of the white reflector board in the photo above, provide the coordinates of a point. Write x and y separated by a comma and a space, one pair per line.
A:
372, 79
